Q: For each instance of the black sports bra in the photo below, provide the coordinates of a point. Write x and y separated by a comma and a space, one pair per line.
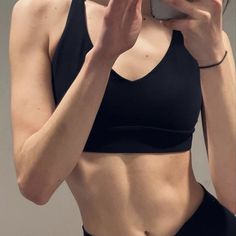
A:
156, 113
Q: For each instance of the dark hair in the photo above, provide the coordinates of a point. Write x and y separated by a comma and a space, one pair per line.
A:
225, 4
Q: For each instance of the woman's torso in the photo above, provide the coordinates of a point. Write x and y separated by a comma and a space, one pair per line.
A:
129, 193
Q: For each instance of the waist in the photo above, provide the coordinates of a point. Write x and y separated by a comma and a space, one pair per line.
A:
133, 188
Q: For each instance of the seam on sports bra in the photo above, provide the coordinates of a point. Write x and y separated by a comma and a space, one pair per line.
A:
151, 127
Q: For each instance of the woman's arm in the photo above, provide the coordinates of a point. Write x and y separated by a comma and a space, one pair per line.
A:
219, 125
48, 141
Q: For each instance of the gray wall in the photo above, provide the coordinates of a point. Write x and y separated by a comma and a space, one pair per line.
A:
61, 216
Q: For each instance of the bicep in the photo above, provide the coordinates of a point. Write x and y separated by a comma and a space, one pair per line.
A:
31, 93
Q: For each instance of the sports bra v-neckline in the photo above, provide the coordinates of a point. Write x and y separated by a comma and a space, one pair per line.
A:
113, 72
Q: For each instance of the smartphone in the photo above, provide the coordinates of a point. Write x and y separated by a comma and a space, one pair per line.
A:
162, 11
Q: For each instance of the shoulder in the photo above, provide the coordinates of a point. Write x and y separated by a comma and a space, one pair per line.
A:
32, 21
31, 16
40, 12
32, 8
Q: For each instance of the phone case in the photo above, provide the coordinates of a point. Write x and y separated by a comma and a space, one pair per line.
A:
162, 11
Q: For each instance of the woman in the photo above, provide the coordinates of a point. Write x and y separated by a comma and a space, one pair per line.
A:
97, 102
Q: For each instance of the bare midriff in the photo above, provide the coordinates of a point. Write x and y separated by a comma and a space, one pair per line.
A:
128, 194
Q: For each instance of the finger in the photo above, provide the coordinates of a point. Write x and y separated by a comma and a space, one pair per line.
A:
139, 5
134, 7
119, 5
210, 3
187, 7
179, 24
215, 7
135, 3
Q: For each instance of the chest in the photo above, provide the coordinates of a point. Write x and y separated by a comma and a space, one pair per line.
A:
156, 82
151, 46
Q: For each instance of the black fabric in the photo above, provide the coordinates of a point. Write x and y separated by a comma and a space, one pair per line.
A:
210, 219
156, 113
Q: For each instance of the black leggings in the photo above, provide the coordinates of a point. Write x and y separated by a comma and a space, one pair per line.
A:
210, 219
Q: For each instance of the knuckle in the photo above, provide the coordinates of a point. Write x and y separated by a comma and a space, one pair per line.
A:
206, 16
106, 17
174, 2
218, 4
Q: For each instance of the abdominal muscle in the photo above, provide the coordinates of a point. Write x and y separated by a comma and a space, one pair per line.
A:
128, 194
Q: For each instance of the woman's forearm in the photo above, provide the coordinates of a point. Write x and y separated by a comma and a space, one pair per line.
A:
219, 99
50, 155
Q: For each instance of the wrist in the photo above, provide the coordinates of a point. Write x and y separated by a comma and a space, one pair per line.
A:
213, 56
102, 57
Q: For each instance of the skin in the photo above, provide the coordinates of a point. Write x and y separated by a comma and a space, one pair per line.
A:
117, 193
155, 180
206, 40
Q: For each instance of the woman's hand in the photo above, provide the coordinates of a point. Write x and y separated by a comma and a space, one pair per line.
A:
121, 26
202, 30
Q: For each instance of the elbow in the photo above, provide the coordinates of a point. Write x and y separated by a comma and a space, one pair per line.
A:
33, 184
33, 191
